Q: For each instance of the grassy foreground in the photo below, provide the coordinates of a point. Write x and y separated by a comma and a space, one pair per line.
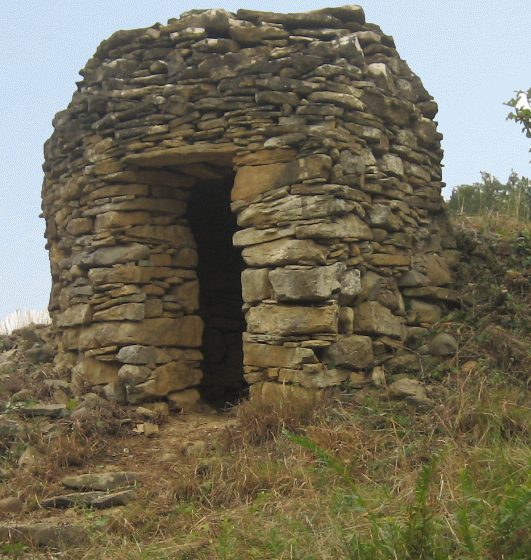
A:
361, 476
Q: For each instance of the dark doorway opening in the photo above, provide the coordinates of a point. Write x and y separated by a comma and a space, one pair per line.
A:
220, 293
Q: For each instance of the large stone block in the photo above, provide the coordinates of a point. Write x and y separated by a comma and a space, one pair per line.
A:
95, 372
438, 271
286, 320
255, 284
342, 99
349, 12
392, 165
435, 293
176, 235
353, 352
350, 281
253, 236
183, 331
296, 207
132, 374
148, 177
80, 314
245, 33
262, 157
172, 206
285, 251
412, 279
123, 274
124, 312
186, 400
107, 256
137, 354
382, 216
165, 379
216, 154
345, 227
79, 226
284, 395
111, 220
373, 318
423, 312
253, 180
268, 355
314, 284
319, 377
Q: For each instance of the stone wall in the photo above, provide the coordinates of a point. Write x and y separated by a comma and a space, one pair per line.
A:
317, 136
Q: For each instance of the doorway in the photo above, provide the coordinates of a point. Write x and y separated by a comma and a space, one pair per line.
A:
219, 271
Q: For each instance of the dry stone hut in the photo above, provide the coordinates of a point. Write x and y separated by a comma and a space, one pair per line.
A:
244, 199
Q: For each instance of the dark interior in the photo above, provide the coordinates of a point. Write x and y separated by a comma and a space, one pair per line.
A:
220, 301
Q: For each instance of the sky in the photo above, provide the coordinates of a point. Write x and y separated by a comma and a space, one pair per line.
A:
470, 54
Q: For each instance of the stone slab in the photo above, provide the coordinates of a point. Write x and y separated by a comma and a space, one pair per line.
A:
252, 180
221, 155
285, 251
101, 481
286, 320
182, 331
268, 355
373, 318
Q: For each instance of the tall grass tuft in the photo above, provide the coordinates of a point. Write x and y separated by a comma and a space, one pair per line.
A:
22, 318
497, 528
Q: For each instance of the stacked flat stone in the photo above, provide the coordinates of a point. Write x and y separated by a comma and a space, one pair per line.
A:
327, 141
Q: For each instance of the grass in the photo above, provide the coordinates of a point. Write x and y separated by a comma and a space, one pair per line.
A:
361, 478
357, 477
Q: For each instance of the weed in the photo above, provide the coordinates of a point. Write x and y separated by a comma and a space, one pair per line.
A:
13, 550
496, 527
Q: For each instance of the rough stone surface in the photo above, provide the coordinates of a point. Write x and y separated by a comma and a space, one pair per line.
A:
353, 352
101, 481
186, 400
266, 355
11, 505
53, 534
292, 320
42, 409
229, 194
443, 345
253, 180
185, 331
255, 284
136, 354
284, 251
409, 389
373, 318
423, 312
98, 500
315, 284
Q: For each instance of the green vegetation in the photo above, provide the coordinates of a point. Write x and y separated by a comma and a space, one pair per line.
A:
364, 479
477, 527
490, 196
521, 110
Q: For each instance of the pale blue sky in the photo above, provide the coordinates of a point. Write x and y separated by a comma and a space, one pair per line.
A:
470, 54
